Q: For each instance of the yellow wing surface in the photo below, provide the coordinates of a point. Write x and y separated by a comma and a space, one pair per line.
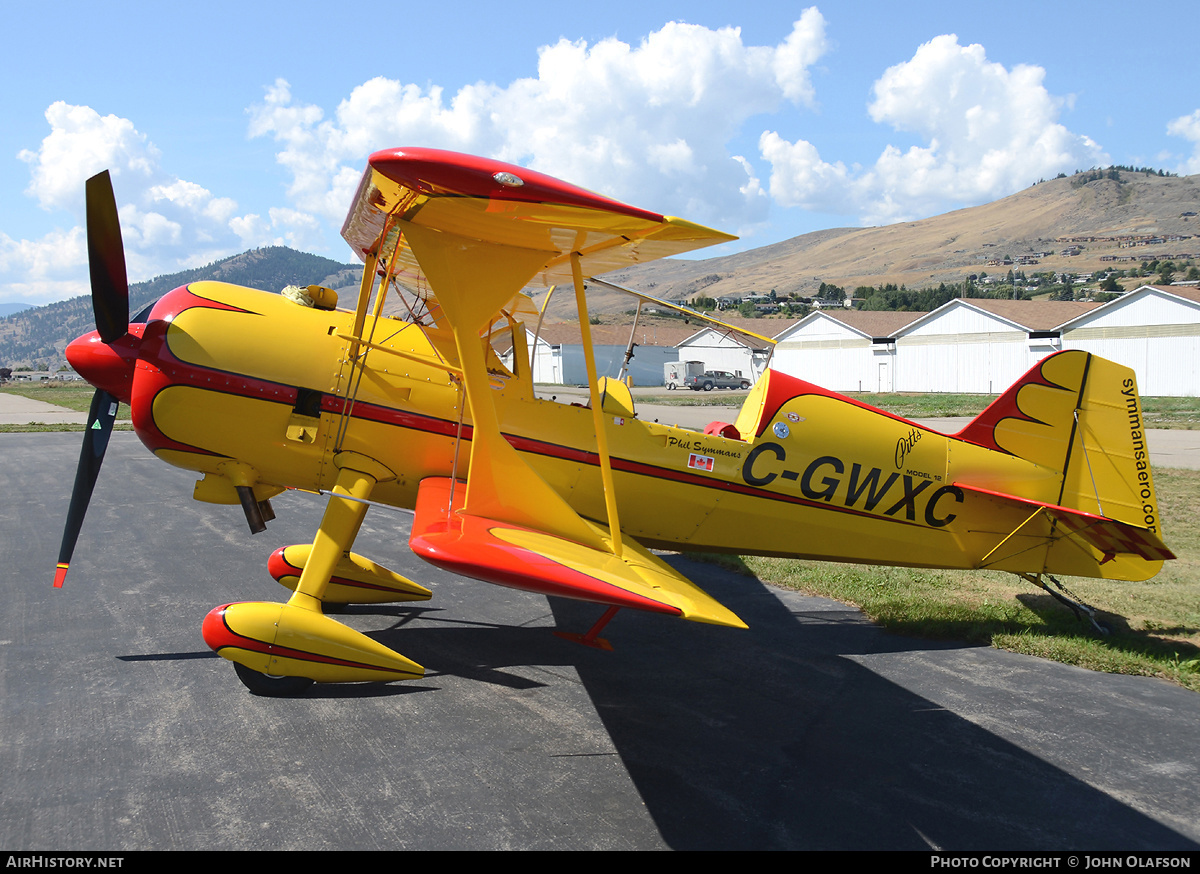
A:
465, 235
407, 194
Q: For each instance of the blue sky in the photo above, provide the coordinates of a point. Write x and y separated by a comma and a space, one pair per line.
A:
233, 125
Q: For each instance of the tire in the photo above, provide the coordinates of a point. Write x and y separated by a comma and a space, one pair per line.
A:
745, 385
269, 686
708, 386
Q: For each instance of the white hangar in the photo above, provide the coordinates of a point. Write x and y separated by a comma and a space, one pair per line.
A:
982, 346
842, 350
558, 356
979, 346
737, 353
1154, 329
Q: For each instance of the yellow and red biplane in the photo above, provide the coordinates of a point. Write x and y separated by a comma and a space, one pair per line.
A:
262, 392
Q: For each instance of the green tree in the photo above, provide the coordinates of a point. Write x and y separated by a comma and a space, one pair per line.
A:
830, 292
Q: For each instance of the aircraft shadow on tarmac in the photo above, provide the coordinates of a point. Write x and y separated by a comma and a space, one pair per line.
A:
772, 738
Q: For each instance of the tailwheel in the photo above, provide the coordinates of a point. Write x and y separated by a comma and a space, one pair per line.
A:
268, 685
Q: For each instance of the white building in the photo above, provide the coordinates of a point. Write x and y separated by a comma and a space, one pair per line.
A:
979, 346
722, 349
982, 346
558, 357
1154, 329
975, 346
842, 350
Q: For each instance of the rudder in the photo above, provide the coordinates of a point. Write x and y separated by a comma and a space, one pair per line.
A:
1081, 416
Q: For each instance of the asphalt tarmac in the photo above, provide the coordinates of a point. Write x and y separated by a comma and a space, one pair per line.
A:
120, 731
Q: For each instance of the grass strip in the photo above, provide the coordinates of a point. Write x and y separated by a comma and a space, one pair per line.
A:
1154, 625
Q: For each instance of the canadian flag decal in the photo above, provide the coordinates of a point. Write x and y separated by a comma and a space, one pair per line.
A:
701, 462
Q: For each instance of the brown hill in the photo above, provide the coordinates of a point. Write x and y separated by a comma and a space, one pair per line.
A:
1048, 217
41, 333
1106, 218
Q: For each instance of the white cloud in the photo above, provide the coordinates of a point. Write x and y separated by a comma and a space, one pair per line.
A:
798, 175
988, 131
253, 231
52, 257
647, 123
82, 143
45, 270
657, 122
167, 223
1188, 127
282, 227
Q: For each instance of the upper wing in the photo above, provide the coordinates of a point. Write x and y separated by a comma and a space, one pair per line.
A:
517, 208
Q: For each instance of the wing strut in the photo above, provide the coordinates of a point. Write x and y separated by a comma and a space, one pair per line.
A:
538, 332
629, 347
589, 357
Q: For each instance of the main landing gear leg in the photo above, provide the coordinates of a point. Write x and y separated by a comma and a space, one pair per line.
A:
339, 526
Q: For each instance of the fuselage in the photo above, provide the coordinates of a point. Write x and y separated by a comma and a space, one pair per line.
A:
249, 387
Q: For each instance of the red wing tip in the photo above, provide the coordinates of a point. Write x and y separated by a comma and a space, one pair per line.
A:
60, 575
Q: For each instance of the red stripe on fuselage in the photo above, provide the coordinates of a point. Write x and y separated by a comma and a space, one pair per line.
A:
165, 369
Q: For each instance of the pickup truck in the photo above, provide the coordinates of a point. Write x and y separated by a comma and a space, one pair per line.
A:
710, 379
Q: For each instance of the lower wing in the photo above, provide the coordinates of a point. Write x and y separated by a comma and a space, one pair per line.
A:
521, 557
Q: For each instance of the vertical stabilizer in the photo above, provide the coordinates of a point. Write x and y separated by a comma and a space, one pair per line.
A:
1080, 416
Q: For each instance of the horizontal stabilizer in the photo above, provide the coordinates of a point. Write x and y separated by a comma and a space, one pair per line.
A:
1056, 527
517, 556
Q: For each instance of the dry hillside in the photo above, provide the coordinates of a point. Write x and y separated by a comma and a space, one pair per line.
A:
947, 248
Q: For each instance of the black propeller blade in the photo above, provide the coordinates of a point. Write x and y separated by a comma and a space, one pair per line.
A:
95, 441
106, 260
110, 300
